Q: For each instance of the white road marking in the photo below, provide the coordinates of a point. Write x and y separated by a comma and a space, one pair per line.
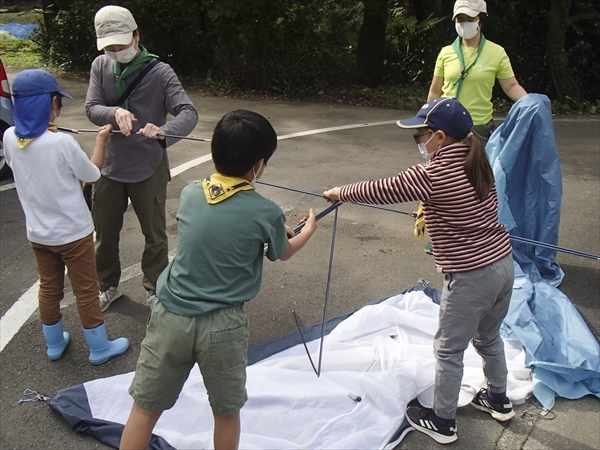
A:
6, 187
327, 130
18, 314
27, 304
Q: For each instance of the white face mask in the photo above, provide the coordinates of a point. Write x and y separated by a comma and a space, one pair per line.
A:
467, 30
123, 56
253, 182
56, 116
423, 148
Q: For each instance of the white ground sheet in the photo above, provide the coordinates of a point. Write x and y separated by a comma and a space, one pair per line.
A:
382, 353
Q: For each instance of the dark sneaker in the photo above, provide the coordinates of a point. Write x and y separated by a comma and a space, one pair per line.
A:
423, 420
500, 411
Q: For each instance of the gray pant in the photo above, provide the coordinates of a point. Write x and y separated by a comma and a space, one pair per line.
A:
473, 306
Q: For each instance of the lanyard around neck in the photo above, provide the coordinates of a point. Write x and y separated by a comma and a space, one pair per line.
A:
464, 70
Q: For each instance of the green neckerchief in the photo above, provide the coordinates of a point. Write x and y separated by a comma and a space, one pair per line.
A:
130, 68
464, 70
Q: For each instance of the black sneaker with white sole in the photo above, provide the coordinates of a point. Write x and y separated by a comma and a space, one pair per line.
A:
502, 411
423, 420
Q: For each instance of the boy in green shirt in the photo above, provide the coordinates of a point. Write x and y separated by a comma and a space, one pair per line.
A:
223, 224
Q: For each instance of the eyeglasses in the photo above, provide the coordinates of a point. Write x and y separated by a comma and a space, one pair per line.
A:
417, 136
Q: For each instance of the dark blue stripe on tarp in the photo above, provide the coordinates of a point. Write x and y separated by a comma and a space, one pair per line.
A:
259, 352
72, 402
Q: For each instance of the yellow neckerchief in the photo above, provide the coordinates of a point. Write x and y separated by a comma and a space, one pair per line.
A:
220, 187
419, 230
23, 142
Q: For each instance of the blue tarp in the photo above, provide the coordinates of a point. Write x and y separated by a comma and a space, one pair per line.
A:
18, 30
561, 350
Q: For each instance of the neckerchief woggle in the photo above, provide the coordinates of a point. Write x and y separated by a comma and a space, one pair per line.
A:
464, 70
220, 187
134, 65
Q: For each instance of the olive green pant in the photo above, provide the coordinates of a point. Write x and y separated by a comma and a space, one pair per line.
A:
110, 201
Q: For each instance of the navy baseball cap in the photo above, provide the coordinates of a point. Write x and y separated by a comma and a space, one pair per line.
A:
32, 82
446, 114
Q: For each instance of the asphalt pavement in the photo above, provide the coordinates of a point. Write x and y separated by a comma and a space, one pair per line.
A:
376, 256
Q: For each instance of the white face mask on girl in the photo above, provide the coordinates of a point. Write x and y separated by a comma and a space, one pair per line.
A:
467, 30
253, 182
423, 148
123, 56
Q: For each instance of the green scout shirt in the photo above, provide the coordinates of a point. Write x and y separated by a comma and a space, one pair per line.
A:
220, 252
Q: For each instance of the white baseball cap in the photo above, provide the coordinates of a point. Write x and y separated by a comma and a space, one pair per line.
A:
471, 8
114, 26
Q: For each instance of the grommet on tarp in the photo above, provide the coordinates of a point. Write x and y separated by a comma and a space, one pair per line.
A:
33, 396
356, 398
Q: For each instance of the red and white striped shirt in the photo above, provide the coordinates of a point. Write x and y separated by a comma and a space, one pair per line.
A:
464, 231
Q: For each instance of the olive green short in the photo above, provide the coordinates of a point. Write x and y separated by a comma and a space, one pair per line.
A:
217, 341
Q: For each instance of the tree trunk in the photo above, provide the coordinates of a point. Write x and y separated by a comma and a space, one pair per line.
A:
558, 22
371, 42
48, 13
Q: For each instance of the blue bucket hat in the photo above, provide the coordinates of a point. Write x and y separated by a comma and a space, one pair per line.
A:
32, 82
31, 89
445, 114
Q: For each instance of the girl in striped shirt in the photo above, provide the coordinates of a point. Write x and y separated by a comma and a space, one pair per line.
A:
471, 248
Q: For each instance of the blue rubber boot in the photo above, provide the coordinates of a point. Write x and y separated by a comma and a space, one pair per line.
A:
101, 349
56, 339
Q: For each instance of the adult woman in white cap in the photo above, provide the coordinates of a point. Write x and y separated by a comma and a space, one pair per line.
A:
467, 70
136, 165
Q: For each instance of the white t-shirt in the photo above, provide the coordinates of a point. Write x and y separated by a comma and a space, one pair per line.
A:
47, 175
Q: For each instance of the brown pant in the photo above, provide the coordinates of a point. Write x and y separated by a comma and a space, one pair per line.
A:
80, 260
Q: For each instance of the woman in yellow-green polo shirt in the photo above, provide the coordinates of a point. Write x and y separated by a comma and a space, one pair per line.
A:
467, 70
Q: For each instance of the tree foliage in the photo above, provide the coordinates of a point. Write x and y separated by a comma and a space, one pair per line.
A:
293, 46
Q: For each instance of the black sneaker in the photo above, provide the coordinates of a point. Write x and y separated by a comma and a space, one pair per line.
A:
500, 411
423, 420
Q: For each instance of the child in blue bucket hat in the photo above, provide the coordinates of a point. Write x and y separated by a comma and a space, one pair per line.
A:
48, 168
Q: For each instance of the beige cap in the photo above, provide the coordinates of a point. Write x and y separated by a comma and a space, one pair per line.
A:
114, 26
471, 8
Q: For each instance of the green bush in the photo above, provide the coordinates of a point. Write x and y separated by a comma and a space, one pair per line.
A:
19, 54
303, 47
174, 30
284, 46
413, 46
